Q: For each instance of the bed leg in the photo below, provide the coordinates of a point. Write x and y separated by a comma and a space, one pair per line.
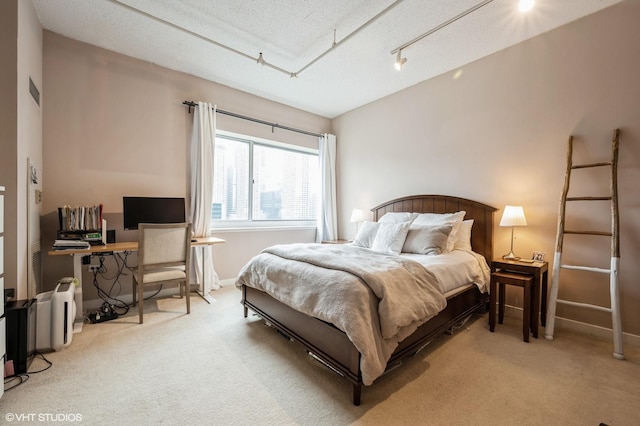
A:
357, 391
246, 311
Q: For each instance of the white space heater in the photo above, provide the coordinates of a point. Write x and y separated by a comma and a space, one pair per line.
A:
56, 312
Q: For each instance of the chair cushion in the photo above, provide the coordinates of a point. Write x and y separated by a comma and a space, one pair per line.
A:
164, 274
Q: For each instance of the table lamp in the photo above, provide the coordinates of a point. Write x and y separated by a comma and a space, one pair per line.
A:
512, 216
357, 216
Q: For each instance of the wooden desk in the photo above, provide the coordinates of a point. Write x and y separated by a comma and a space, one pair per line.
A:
101, 250
539, 271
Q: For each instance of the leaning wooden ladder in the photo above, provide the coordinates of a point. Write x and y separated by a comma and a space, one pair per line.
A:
615, 247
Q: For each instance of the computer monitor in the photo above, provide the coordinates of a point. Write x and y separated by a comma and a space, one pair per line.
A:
137, 210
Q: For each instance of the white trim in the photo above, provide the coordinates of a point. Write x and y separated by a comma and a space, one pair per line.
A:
171, 291
246, 224
262, 229
93, 304
581, 327
228, 282
268, 142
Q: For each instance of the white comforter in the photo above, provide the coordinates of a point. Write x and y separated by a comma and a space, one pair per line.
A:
377, 300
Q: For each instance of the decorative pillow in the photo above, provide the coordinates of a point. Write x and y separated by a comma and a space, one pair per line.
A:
366, 234
393, 217
463, 238
427, 239
433, 219
390, 237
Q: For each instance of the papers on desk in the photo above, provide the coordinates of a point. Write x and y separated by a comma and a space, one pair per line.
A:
82, 218
71, 245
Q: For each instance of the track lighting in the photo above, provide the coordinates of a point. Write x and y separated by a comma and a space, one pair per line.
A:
260, 60
400, 61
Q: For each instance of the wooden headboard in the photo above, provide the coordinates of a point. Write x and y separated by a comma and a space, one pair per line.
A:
482, 214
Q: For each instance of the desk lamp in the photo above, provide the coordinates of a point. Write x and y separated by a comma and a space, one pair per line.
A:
512, 216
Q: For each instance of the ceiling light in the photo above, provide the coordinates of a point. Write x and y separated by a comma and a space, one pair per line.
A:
400, 61
526, 5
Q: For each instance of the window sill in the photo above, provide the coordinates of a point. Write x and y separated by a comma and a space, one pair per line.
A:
261, 229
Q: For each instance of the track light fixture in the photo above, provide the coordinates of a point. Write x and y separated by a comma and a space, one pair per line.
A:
400, 61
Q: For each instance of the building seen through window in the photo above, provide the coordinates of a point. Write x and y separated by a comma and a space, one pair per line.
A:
256, 181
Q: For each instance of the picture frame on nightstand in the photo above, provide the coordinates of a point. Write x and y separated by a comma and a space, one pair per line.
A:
538, 256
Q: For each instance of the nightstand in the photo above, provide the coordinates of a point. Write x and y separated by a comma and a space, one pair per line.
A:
336, 242
499, 280
539, 272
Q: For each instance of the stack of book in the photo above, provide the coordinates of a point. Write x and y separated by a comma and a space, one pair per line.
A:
70, 245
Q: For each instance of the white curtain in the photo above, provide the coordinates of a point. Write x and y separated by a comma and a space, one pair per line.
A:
327, 219
202, 150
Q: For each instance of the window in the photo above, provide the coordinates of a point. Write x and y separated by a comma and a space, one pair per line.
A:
258, 181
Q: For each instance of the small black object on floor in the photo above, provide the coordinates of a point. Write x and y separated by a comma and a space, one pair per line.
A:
105, 313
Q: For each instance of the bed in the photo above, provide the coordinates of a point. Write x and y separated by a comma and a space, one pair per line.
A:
338, 349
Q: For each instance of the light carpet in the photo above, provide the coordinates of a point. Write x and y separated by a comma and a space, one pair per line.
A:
214, 367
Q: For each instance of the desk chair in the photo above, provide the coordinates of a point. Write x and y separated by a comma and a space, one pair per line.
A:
164, 256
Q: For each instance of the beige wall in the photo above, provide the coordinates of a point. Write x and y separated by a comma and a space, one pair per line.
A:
498, 134
116, 126
9, 133
29, 143
21, 130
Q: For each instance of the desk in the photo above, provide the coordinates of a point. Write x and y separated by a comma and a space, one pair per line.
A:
539, 271
204, 242
100, 250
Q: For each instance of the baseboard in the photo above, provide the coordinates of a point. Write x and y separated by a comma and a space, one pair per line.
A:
582, 328
561, 323
93, 304
227, 282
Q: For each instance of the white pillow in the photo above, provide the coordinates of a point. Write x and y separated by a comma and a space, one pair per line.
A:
366, 234
393, 217
463, 238
431, 219
390, 237
427, 239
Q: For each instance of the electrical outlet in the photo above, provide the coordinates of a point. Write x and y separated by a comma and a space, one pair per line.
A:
94, 268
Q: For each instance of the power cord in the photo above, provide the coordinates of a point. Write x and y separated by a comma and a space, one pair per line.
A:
23, 377
111, 302
112, 306
49, 364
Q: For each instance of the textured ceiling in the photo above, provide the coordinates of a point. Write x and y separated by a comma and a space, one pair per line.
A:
291, 34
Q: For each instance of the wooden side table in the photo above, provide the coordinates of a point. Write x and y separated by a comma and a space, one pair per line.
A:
540, 273
336, 242
529, 317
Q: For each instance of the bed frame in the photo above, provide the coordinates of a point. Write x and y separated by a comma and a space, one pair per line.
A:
331, 346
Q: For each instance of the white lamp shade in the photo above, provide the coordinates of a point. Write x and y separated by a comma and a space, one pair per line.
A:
513, 216
357, 216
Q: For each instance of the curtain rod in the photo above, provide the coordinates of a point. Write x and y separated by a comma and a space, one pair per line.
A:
192, 104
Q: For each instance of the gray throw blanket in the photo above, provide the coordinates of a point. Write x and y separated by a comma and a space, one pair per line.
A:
377, 300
